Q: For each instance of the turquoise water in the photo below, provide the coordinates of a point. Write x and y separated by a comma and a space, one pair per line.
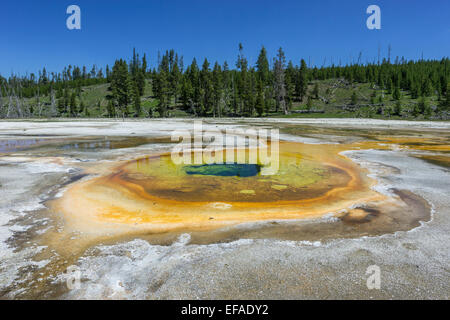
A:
224, 170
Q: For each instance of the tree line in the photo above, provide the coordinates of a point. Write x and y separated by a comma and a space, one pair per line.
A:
215, 90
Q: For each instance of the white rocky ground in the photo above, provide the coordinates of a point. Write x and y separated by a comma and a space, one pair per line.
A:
413, 264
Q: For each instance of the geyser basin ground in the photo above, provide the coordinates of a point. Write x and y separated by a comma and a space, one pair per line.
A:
260, 243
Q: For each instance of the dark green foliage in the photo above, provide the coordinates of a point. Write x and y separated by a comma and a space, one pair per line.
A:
61, 107
398, 108
373, 97
279, 81
396, 95
262, 67
162, 92
252, 88
422, 105
415, 90
445, 104
111, 109
121, 86
316, 91
84, 109
389, 86
217, 93
354, 98
309, 103
301, 85
427, 89
73, 105
136, 100
260, 103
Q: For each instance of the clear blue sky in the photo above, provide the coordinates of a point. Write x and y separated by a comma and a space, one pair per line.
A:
34, 34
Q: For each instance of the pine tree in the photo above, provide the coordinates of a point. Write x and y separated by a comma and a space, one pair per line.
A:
111, 109
422, 105
61, 106
73, 105
121, 86
241, 84
289, 81
139, 79
415, 90
301, 85
396, 94
398, 108
309, 103
217, 89
427, 88
108, 74
175, 80
443, 85
144, 64
260, 103
290, 91
415, 110
59, 93
206, 89
251, 97
279, 84
227, 88
187, 94
84, 109
316, 91
445, 104
354, 98
162, 92
389, 86
373, 97
242, 62
262, 67
136, 100
382, 87
427, 112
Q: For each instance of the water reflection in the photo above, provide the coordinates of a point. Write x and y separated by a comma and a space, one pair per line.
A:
84, 146
224, 170
17, 144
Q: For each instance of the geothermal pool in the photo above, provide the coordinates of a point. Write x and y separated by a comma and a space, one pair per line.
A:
108, 198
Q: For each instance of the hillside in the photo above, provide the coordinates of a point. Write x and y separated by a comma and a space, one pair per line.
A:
334, 101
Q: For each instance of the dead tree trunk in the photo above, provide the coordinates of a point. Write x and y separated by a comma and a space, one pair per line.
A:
53, 112
38, 99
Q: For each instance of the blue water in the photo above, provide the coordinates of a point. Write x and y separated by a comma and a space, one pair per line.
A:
224, 170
